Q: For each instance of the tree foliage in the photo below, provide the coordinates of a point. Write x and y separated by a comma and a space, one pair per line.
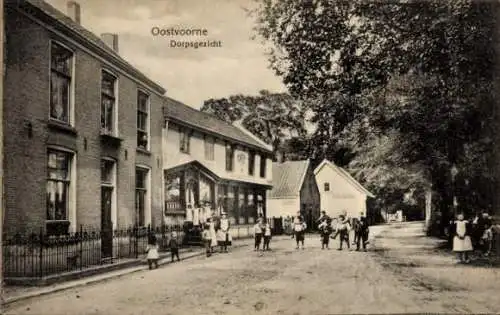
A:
402, 89
272, 117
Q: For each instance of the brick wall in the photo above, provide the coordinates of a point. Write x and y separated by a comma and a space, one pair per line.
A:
26, 99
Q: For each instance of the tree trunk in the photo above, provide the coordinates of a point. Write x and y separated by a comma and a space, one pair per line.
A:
428, 209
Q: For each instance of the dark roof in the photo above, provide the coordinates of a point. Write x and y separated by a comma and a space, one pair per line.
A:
208, 171
85, 35
288, 178
188, 116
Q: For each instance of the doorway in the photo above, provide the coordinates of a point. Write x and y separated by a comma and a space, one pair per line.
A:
106, 223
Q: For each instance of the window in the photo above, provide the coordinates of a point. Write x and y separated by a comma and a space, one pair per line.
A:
229, 157
107, 174
327, 187
209, 148
262, 166
142, 120
141, 191
185, 139
60, 83
108, 102
251, 163
58, 183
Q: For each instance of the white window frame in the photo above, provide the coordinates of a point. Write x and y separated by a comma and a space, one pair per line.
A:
114, 198
71, 215
210, 144
148, 120
147, 203
71, 109
185, 139
233, 157
325, 185
263, 166
115, 131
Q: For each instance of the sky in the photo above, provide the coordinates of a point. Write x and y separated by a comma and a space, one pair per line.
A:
189, 75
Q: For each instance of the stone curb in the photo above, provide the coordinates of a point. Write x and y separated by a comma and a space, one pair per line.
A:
105, 277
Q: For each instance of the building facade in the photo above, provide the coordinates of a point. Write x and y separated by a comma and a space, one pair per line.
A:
339, 191
212, 166
82, 145
294, 189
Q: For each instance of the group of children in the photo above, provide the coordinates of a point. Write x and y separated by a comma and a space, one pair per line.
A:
262, 231
152, 255
342, 229
217, 233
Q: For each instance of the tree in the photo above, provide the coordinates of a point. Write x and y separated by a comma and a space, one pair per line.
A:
273, 117
352, 55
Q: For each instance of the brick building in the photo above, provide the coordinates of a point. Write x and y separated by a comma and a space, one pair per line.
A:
81, 145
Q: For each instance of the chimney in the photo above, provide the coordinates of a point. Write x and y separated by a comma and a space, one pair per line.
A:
73, 9
111, 40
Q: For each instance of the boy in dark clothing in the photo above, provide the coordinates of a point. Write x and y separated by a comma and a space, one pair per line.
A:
362, 231
174, 246
325, 232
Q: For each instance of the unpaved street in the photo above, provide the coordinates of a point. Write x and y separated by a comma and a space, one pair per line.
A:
284, 281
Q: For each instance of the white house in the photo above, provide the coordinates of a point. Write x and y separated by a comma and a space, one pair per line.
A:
214, 165
294, 189
339, 191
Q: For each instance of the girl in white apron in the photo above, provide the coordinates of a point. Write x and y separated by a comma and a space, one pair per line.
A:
462, 243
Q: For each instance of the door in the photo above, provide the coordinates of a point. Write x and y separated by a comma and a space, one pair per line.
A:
106, 224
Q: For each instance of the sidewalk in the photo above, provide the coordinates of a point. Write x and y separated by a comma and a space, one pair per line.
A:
11, 294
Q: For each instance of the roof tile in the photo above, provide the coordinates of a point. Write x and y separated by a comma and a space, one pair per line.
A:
288, 178
185, 114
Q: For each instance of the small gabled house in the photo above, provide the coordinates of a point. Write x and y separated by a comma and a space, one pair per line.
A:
339, 191
294, 189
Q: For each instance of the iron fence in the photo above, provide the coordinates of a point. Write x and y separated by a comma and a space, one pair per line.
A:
38, 255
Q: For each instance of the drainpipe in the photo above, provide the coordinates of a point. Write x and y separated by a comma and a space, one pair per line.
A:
2, 72
163, 150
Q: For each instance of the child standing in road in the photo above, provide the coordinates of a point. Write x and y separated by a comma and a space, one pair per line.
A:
207, 239
257, 230
299, 227
267, 235
152, 252
325, 231
174, 246
462, 243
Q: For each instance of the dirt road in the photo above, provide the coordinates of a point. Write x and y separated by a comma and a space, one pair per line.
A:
283, 281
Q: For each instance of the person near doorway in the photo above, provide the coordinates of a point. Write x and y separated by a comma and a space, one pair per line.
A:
223, 235
174, 246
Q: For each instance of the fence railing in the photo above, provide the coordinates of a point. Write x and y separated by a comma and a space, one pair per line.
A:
37, 255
